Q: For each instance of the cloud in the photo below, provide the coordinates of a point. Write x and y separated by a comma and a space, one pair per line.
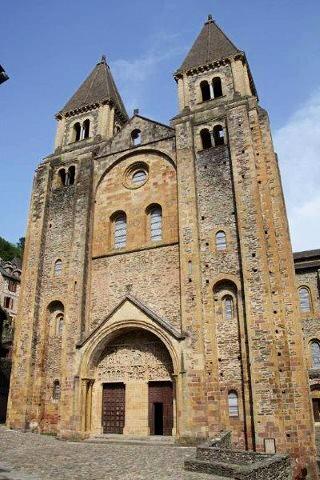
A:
298, 146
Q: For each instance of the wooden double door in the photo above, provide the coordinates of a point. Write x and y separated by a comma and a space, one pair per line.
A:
160, 408
113, 407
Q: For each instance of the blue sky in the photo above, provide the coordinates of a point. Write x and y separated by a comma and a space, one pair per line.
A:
48, 48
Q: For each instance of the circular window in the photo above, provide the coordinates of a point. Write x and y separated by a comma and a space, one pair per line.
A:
139, 177
136, 175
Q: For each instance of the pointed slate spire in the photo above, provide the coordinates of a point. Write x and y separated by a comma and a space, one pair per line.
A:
211, 45
98, 88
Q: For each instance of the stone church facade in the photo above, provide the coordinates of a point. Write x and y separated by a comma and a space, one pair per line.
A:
159, 294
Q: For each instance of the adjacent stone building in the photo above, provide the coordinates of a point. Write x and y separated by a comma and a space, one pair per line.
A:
159, 294
10, 273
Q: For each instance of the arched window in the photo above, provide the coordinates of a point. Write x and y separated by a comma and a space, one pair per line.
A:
218, 135
70, 175
233, 404
76, 132
315, 353
59, 324
221, 240
56, 391
217, 87
120, 230
228, 307
86, 129
206, 139
62, 176
305, 302
136, 137
58, 267
155, 213
205, 90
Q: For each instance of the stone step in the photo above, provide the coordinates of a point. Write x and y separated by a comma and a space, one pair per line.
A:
124, 439
221, 470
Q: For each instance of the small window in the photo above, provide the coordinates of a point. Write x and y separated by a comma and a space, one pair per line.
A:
304, 296
62, 176
70, 175
139, 177
221, 240
120, 230
56, 391
156, 223
76, 132
206, 139
205, 91
58, 267
315, 354
228, 308
136, 137
59, 324
12, 286
8, 302
217, 87
86, 129
233, 404
218, 135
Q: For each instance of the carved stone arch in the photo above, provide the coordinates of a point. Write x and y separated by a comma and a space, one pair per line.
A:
136, 153
97, 344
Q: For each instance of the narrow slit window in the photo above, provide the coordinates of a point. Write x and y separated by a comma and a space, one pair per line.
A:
205, 139
305, 303
221, 240
218, 134
56, 393
217, 87
71, 175
59, 324
58, 267
62, 176
156, 224
233, 404
205, 91
228, 308
315, 354
120, 230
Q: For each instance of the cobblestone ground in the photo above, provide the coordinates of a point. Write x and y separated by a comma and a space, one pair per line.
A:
29, 456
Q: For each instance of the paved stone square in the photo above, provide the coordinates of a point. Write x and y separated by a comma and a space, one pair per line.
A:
30, 456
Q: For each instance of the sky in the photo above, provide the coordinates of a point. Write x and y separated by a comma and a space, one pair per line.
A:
48, 48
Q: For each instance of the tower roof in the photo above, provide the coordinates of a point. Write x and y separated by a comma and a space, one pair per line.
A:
211, 45
98, 88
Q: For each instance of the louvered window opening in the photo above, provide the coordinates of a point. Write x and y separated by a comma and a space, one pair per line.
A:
233, 404
139, 177
58, 267
221, 241
304, 300
228, 308
156, 224
315, 354
120, 232
56, 394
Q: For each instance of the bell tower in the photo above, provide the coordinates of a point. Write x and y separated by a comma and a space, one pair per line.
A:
239, 300
96, 109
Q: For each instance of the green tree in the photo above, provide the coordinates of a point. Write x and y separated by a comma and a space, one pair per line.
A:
8, 250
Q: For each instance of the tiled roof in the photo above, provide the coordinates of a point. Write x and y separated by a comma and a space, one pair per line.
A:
99, 87
211, 45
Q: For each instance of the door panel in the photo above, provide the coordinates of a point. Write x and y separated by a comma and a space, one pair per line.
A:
160, 403
113, 407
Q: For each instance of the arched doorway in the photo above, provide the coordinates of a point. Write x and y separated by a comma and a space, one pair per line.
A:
133, 386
